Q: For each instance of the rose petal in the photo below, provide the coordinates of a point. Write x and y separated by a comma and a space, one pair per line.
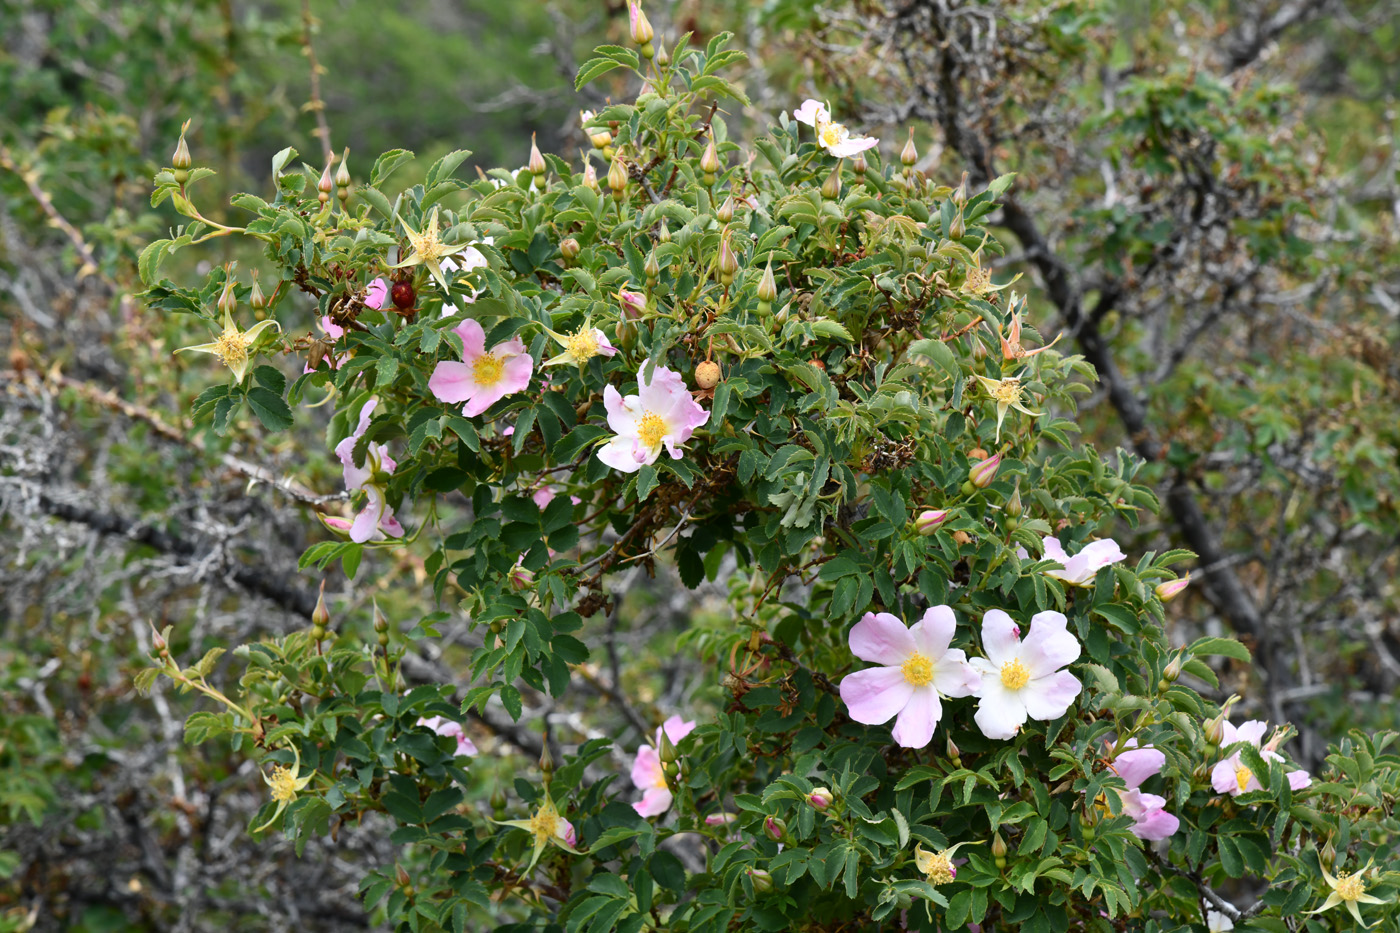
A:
677, 728
881, 638
875, 695
1222, 776
934, 632
646, 768
954, 676
1048, 646
914, 725
1252, 732
1000, 637
1138, 765
1048, 698
1000, 712
452, 382
654, 802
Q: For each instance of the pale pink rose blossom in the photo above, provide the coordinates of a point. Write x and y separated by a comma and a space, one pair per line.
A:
661, 414
481, 379
1150, 820
471, 260
917, 668
377, 517
443, 726
833, 137
1231, 776
1023, 679
647, 773
1081, 568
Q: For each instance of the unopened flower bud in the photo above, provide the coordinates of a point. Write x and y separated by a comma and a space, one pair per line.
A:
709, 162
667, 750
321, 616
381, 624
909, 154
820, 798
721, 818
642, 33
402, 876
954, 753
1168, 590
928, 521
707, 374
342, 177
633, 304
960, 194
1173, 670
599, 137
831, 188
520, 578
998, 850
256, 298
775, 828
728, 261
227, 299
546, 762
1215, 728
181, 160
498, 803
652, 268
982, 473
957, 227
768, 285
158, 643
1013, 507
617, 177
725, 212
325, 185
762, 880
537, 166
590, 177
569, 249
663, 232
1328, 855
858, 165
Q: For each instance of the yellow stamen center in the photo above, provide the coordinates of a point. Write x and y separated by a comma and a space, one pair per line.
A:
1014, 675
544, 824
283, 784
1006, 391
938, 866
651, 429
487, 370
1242, 777
659, 780
231, 348
1350, 887
977, 279
582, 346
918, 670
831, 134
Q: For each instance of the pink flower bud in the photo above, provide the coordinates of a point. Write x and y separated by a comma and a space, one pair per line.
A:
617, 177
634, 304
1169, 589
981, 474
537, 166
520, 578
775, 828
762, 880
709, 162
728, 261
590, 177
820, 798
929, 520
642, 33
719, 819
909, 154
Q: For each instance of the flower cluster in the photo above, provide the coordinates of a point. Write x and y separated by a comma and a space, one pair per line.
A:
1017, 679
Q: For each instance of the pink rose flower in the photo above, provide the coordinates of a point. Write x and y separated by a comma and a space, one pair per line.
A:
1081, 568
376, 519
443, 726
1231, 776
833, 137
917, 668
647, 773
482, 379
1150, 819
662, 413
375, 296
1023, 679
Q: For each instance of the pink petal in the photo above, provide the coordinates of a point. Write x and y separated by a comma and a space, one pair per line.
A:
619, 453
954, 676
339, 524
1222, 776
654, 802
1000, 713
465, 746
622, 412
664, 393
880, 638
1048, 698
1054, 550
853, 146
1100, 554
375, 297
1228, 735
1155, 825
565, 831
914, 725
677, 728
515, 374
1000, 637
1252, 732
1299, 779
1048, 646
366, 523
332, 329
809, 112
451, 382
389, 524
543, 497
646, 768
482, 399
473, 339
934, 632
1138, 765
875, 695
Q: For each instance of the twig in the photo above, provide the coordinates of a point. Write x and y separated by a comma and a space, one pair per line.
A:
316, 104
31, 181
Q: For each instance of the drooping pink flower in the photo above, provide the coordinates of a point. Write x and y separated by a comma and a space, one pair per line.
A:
481, 379
377, 516
443, 726
1081, 568
375, 296
916, 668
1023, 679
647, 773
1231, 776
1150, 820
662, 413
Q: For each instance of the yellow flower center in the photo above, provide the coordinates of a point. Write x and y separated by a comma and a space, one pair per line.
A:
660, 780
544, 824
831, 134
1350, 887
938, 866
1006, 391
977, 279
918, 670
231, 348
487, 370
1242, 777
283, 783
651, 429
1014, 675
582, 346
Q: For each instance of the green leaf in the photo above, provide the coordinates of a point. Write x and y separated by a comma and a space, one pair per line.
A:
270, 409
443, 168
593, 69
1226, 647
274, 380
384, 165
280, 160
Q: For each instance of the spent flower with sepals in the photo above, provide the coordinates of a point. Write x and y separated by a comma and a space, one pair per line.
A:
1348, 889
285, 784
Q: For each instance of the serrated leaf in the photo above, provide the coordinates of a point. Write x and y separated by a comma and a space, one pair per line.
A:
593, 69
271, 410
1224, 647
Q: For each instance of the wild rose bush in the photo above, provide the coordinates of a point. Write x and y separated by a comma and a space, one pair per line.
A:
947, 697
